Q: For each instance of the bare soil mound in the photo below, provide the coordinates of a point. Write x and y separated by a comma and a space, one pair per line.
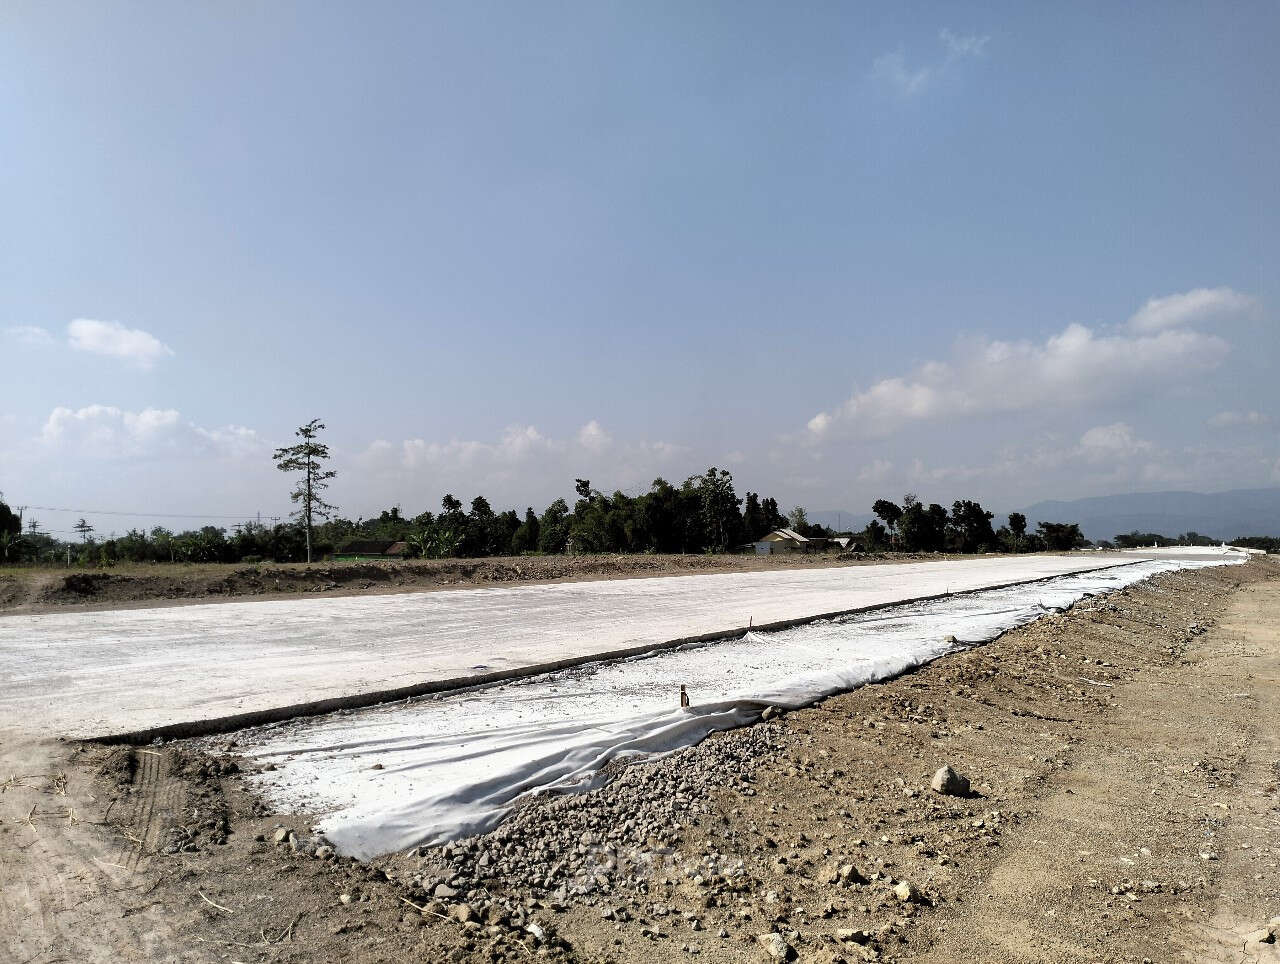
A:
12, 592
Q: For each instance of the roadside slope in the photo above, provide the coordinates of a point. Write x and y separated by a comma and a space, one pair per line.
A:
1162, 835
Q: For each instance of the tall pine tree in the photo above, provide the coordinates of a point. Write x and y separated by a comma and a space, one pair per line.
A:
308, 458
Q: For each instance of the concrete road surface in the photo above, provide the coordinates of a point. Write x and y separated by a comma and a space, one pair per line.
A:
81, 674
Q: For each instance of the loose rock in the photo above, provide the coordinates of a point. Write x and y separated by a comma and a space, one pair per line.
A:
775, 948
947, 781
906, 892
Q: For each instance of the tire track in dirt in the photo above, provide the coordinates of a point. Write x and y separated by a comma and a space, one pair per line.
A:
124, 813
68, 888
145, 788
155, 800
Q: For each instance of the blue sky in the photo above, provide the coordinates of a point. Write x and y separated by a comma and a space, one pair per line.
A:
842, 249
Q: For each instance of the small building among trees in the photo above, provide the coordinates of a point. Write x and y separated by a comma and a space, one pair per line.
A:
365, 549
784, 540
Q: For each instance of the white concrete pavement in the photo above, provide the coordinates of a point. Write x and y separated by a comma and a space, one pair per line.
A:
85, 674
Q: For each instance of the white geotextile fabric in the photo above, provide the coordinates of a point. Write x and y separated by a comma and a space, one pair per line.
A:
453, 765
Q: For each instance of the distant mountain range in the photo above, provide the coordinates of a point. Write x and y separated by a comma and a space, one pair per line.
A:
1220, 515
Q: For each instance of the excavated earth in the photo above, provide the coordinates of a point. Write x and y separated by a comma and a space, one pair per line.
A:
1124, 763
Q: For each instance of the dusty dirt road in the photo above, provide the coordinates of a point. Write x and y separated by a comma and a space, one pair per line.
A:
1161, 838
1123, 755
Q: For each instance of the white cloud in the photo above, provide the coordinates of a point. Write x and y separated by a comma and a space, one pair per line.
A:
523, 465
891, 68
104, 431
964, 45
1079, 366
29, 335
1074, 367
1232, 419
662, 451
1191, 307
114, 340
820, 424
918, 473
1104, 457
1109, 442
594, 438
518, 443
878, 471
232, 440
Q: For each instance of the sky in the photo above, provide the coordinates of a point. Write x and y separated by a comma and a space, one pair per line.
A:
845, 250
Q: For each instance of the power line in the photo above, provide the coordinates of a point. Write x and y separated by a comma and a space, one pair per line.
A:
155, 515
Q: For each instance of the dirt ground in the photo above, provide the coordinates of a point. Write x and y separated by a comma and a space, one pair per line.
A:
1125, 806
28, 589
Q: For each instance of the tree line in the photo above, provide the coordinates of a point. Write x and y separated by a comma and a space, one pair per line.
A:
701, 514
915, 527
1143, 540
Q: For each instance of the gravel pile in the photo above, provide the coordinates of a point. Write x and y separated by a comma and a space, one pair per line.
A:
607, 841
